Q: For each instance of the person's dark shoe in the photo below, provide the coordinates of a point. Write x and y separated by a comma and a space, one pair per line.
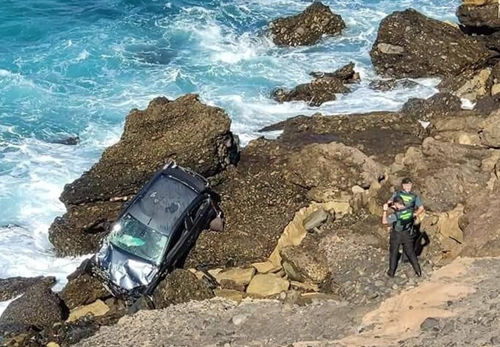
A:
419, 274
390, 273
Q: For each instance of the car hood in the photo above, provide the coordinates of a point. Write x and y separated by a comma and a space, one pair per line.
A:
122, 269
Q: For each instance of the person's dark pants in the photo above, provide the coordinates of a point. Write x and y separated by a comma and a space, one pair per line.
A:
404, 239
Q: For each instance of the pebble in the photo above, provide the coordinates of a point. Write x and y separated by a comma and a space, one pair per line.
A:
239, 319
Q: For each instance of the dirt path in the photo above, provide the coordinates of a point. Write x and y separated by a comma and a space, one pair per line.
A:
454, 296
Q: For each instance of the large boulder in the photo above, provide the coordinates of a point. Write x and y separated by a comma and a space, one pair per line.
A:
304, 264
470, 85
446, 174
166, 130
82, 288
178, 287
481, 227
39, 307
334, 167
480, 19
264, 285
323, 88
490, 134
306, 28
15, 286
437, 106
410, 44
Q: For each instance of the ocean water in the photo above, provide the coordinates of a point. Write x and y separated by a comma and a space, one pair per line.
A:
71, 68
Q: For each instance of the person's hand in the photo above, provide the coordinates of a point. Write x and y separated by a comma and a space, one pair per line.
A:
386, 207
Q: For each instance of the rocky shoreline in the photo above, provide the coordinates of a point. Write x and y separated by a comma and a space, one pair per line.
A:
302, 211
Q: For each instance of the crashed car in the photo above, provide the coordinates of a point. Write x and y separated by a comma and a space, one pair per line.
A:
156, 230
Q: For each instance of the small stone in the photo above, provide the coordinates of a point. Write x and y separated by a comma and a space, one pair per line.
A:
239, 319
395, 286
429, 324
379, 283
52, 344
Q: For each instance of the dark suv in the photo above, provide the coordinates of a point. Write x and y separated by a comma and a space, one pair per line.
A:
156, 231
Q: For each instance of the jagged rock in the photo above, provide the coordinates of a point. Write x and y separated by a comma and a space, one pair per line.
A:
316, 93
69, 141
306, 28
162, 132
258, 204
410, 44
39, 306
490, 135
481, 225
96, 309
448, 224
316, 219
178, 287
241, 277
470, 85
82, 288
323, 88
266, 267
391, 84
346, 74
487, 104
380, 135
482, 19
15, 286
267, 285
439, 105
332, 166
446, 174
304, 264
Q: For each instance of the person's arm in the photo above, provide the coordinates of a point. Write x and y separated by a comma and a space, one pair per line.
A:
420, 207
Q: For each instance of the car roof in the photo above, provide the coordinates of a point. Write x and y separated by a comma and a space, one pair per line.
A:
186, 176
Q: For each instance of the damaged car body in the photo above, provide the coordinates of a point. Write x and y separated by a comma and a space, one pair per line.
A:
155, 231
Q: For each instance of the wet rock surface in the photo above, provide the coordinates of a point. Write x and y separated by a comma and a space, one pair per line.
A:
15, 286
82, 288
178, 287
479, 19
162, 132
322, 89
410, 44
391, 84
39, 307
306, 28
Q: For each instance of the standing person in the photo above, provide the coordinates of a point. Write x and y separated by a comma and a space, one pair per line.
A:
411, 200
401, 222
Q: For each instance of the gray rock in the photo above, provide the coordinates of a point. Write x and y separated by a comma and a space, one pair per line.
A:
239, 319
315, 219
429, 324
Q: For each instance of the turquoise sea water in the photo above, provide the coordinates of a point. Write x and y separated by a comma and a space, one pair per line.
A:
77, 67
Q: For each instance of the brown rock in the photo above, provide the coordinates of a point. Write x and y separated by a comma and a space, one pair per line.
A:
306, 28
480, 19
82, 288
39, 306
15, 286
304, 264
410, 44
267, 285
178, 287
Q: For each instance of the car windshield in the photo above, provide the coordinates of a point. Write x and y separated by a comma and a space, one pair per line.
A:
137, 238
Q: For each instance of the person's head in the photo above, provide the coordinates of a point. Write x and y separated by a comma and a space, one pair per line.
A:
407, 184
398, 203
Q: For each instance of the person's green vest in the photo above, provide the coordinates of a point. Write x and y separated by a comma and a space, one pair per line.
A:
404, 220
409, 198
